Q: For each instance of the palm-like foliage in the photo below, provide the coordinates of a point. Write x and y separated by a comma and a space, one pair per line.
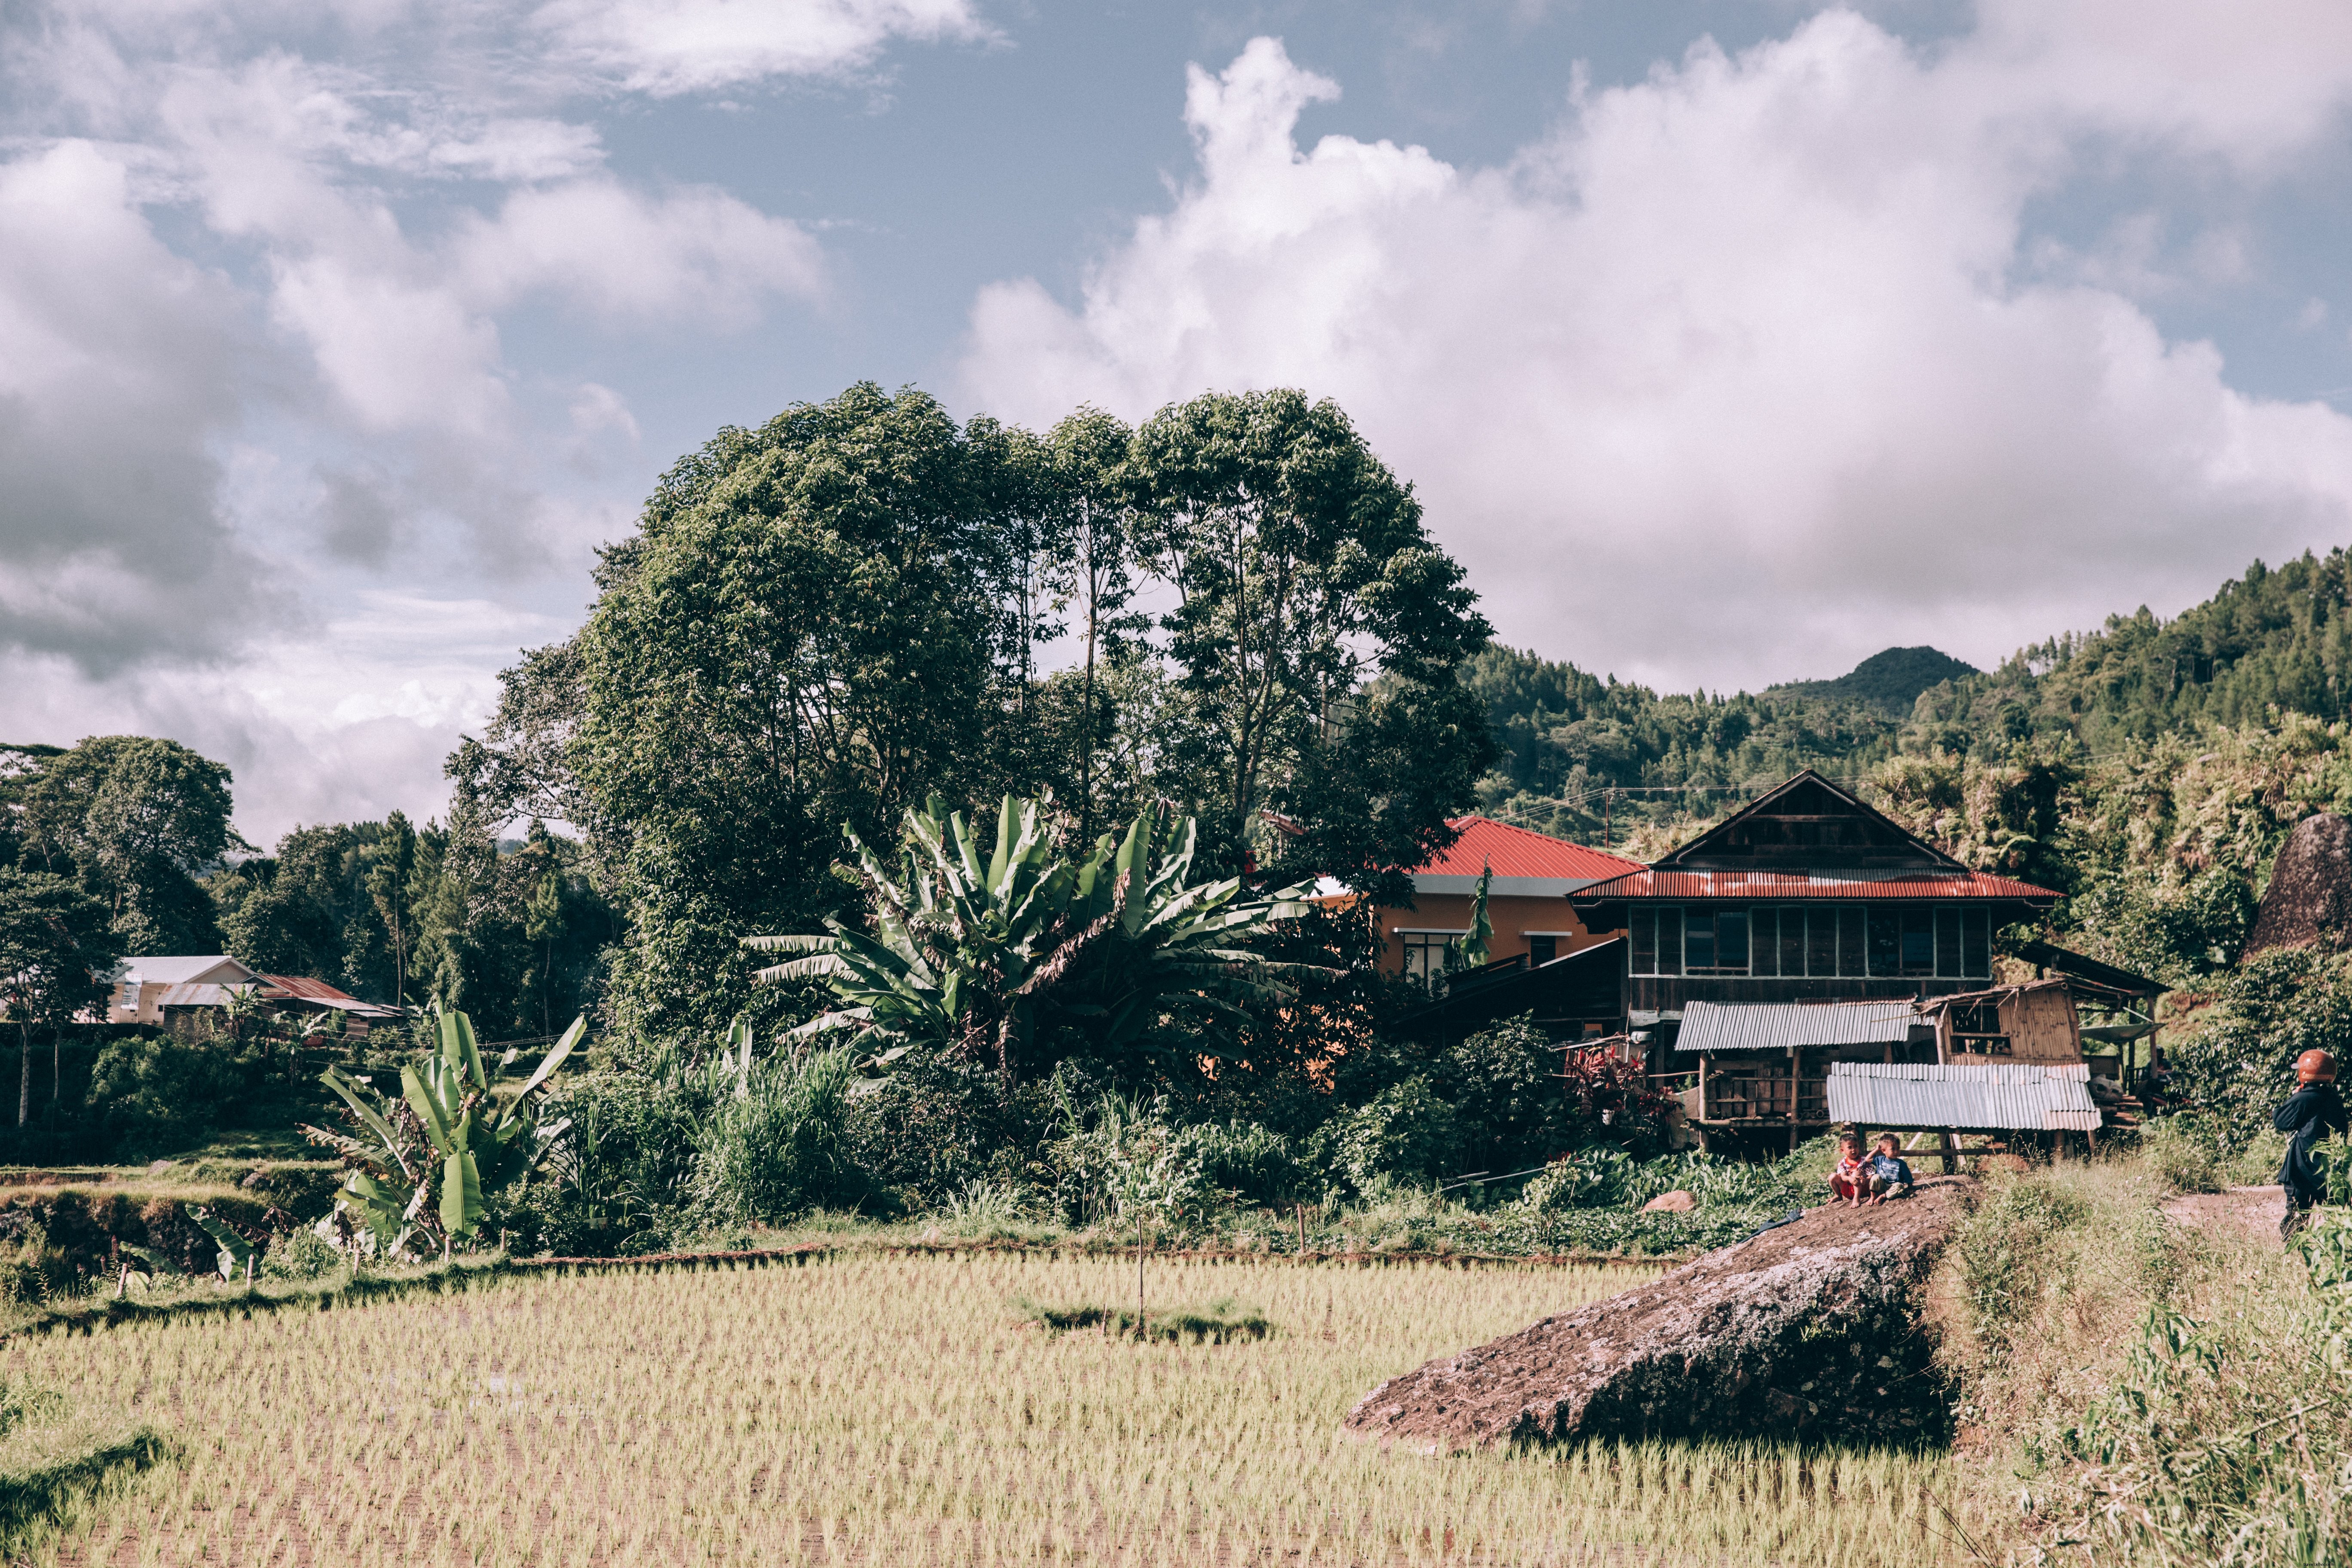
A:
447, 1134
969, 954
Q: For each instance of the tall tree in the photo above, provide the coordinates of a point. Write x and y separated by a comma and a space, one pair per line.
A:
57, 949
135, 819
1093, 485
391, 861
1319, 635
800, 633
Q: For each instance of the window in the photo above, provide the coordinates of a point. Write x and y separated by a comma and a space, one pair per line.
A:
1699, 943
1850, 959
1792, 939
1976, 944
1430, 954
1542, 949
1763, 940
1657, 939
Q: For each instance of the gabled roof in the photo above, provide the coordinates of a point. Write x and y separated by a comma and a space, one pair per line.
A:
1808, 822
211, 969
1524, 864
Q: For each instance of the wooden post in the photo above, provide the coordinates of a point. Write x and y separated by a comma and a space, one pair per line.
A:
1946, 1144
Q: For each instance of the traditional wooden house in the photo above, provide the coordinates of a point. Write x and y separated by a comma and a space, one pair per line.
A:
1802, 932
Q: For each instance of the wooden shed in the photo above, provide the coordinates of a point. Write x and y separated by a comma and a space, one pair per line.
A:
2034, 1022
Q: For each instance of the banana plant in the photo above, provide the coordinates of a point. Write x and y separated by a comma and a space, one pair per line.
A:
447, 1137
968, 950
235, 1252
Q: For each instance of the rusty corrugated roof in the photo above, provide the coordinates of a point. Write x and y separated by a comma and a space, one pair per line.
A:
1771, 886
299, 988
1517, 852
2019, 1095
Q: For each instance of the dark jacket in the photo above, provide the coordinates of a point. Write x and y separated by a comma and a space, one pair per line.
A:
2311, 1114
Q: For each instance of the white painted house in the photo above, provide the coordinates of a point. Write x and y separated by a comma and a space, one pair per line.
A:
141, 983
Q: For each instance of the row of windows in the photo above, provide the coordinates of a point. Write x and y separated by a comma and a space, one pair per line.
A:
1850, 940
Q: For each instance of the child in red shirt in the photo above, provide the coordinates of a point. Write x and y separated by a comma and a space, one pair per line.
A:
1849, 1180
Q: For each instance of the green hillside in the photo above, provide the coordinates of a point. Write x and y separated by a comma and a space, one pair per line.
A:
1585, 755
1890, 681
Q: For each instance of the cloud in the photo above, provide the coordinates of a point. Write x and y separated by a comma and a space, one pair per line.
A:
1746, 358
117, 372
343, 723
696, 254
669, 46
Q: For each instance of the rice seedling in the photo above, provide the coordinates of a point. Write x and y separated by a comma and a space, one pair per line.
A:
875, 1410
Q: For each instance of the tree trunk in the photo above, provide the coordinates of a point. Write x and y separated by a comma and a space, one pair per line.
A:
24, 1073
56, 1062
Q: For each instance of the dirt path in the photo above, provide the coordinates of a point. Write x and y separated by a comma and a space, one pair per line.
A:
2254, 1211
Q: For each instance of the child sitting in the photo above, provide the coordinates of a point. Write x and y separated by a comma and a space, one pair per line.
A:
1890, 1173
1851, 1175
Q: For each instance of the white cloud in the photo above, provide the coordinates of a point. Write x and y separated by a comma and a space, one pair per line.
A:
116, 367
667, 46
697, 254
1740, 360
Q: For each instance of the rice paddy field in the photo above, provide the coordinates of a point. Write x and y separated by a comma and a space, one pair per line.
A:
879, 1410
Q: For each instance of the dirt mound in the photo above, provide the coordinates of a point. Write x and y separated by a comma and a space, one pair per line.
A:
1809, 1325
2310, 894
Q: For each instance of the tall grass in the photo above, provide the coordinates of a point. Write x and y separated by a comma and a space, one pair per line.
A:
877, 1411
2145, 1392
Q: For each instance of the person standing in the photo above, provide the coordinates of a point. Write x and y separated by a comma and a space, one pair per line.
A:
2313, 1111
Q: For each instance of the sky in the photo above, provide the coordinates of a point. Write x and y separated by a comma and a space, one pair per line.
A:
1726, 342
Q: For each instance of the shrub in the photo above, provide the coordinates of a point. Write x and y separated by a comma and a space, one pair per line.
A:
1252, 1162
2238, 1062
157, 1094
300, 1255
781, 1148
1407, 1134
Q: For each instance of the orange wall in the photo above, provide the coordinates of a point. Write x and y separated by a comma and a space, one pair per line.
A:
1511, 919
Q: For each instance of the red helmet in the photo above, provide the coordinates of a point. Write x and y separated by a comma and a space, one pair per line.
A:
2314, 1067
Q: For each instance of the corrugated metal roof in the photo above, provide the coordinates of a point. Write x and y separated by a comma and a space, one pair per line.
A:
1785, 1026
197, 995
1517, 852
319, 993
169, 969
1768, 886
2016, 1095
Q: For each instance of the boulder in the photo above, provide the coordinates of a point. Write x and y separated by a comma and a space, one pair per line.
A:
1676, 1202
1811, 1325
2310, 894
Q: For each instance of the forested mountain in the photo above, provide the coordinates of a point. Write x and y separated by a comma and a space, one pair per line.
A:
1584, 756
1890, 681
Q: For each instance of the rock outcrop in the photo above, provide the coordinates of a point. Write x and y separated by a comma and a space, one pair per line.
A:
2310, 894
1812, 1325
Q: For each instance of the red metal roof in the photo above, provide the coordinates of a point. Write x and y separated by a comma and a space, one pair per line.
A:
298, 988
1645, 883
1517, 852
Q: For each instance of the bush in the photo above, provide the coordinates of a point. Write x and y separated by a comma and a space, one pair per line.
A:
1408, 1134
782, 1148
158, 1094
619, 1176
2238, 1063
300, 1255
1252, 1162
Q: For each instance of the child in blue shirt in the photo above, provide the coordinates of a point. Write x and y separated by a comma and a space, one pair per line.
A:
1890, 1174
